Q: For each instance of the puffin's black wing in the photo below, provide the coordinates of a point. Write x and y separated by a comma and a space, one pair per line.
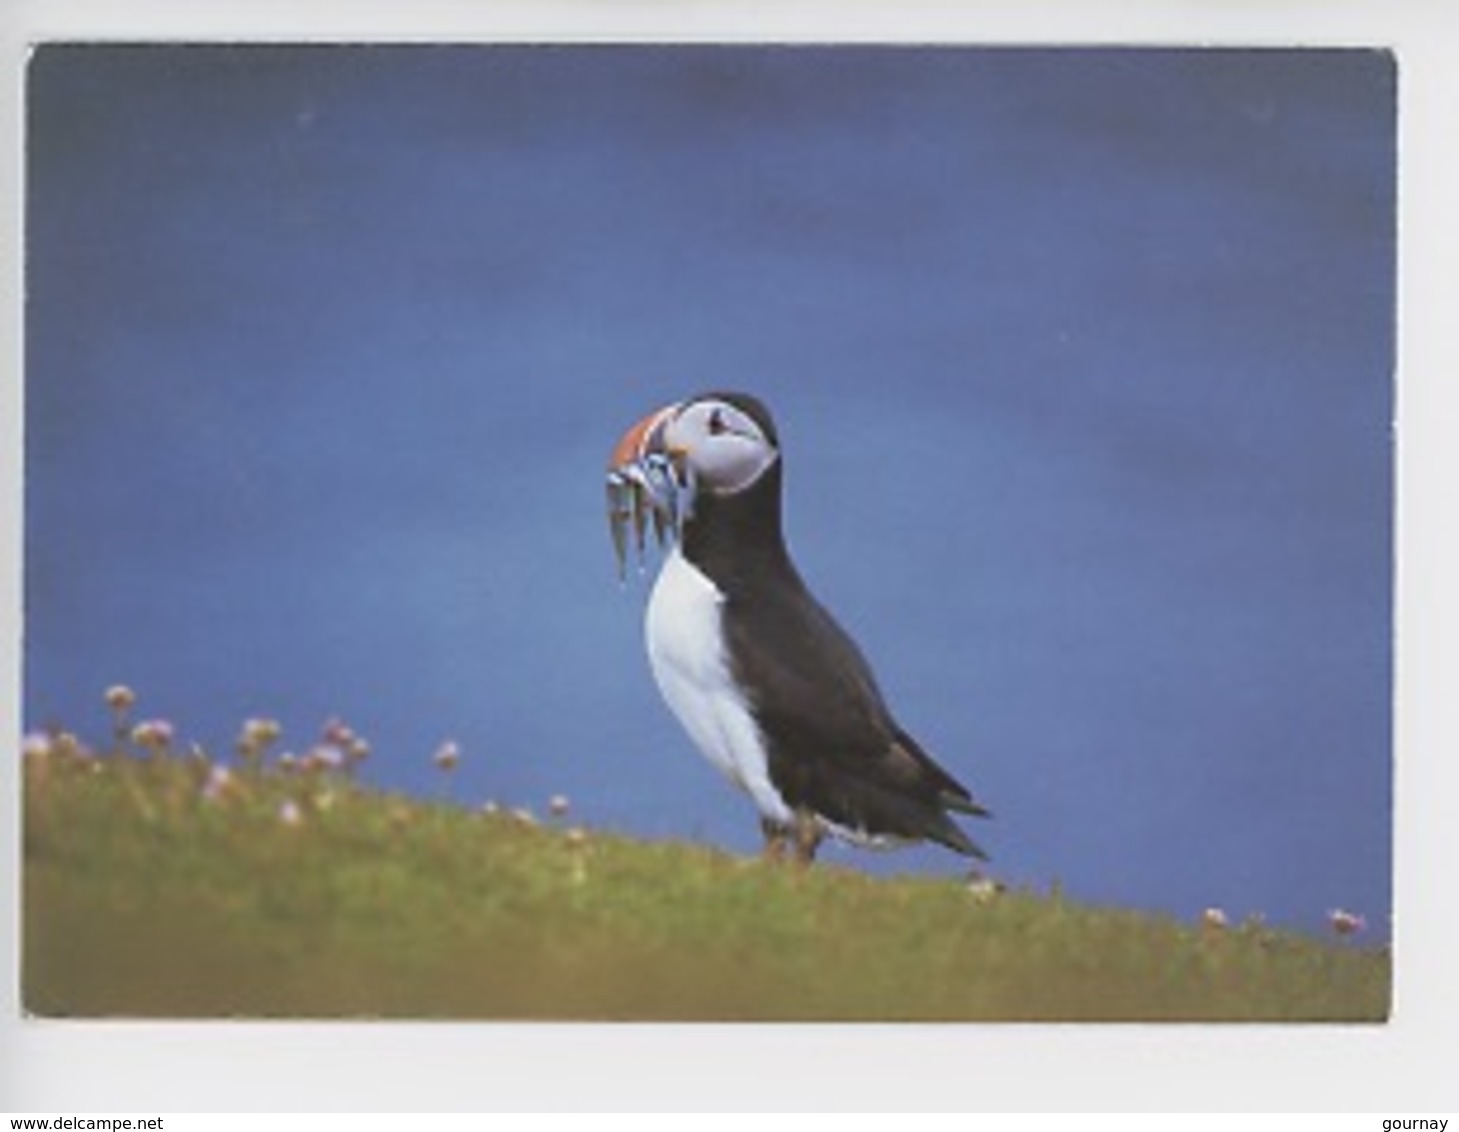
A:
833, 746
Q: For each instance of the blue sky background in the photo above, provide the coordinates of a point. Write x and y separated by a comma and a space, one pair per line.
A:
1082, 360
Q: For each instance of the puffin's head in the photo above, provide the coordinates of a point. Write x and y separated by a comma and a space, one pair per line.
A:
719, 443
716, 443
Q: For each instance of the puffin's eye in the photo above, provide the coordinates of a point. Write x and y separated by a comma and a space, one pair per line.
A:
716, 423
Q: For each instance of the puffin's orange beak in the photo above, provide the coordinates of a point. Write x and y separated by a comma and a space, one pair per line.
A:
643, 484
644, 437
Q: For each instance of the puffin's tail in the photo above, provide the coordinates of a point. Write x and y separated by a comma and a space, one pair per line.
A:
950, 795
943, 830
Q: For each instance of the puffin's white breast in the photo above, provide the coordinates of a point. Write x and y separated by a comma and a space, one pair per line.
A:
687, 652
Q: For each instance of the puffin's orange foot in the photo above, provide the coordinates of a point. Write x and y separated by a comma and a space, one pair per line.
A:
808, 835
777, 840
798, 839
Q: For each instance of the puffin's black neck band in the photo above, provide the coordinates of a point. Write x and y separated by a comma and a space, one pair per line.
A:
734, 538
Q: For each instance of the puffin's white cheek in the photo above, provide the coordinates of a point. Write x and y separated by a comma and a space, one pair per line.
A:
729, 465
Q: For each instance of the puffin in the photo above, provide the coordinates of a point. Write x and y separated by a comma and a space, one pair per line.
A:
769, 687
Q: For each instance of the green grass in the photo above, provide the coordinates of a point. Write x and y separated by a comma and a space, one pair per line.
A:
143, 898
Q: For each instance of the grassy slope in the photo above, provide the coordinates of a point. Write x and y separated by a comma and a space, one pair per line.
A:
143, 899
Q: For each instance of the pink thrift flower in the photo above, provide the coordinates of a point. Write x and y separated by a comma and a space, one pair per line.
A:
218, 785
1346, 923
119, 697
447, 756
154, 734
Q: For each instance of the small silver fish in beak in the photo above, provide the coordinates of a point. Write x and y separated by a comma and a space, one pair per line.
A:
645, 482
